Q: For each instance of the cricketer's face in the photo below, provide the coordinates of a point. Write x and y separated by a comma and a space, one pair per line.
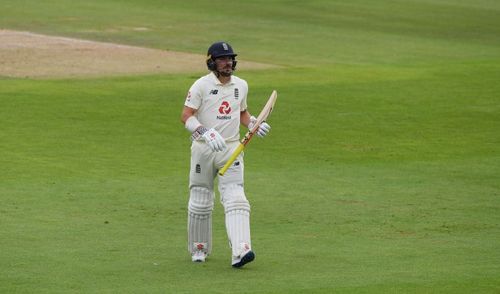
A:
224, 65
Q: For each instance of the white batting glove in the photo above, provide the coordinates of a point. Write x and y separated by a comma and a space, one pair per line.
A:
264, 127
214, 140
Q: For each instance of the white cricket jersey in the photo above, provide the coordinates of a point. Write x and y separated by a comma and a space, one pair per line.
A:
218, 106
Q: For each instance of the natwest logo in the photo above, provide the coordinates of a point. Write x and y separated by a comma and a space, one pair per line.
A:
225, 108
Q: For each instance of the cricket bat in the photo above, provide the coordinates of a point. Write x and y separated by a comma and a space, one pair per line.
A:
263, 115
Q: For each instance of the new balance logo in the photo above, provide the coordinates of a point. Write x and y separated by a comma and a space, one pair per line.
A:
214, 92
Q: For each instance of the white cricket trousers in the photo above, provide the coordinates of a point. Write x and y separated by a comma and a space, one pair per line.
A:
205, 165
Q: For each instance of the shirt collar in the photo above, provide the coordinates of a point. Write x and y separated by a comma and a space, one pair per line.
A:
218, 83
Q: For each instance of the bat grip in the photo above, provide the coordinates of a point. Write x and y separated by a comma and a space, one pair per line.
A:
233, 157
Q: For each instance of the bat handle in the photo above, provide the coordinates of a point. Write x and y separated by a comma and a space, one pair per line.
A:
233, 157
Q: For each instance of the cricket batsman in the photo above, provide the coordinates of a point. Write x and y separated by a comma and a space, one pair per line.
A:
214, 109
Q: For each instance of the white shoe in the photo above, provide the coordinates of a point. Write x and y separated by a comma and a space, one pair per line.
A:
199, 254
245, 256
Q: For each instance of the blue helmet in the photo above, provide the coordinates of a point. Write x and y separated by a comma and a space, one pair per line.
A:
219, 49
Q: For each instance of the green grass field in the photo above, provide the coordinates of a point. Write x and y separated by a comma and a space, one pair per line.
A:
380, 175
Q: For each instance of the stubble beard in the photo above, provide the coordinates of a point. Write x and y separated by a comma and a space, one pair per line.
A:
226, 72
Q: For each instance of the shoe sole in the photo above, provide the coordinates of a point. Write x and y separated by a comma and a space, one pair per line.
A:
249, 257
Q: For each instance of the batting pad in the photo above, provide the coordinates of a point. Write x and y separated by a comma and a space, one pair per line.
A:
237, 210
201, 203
